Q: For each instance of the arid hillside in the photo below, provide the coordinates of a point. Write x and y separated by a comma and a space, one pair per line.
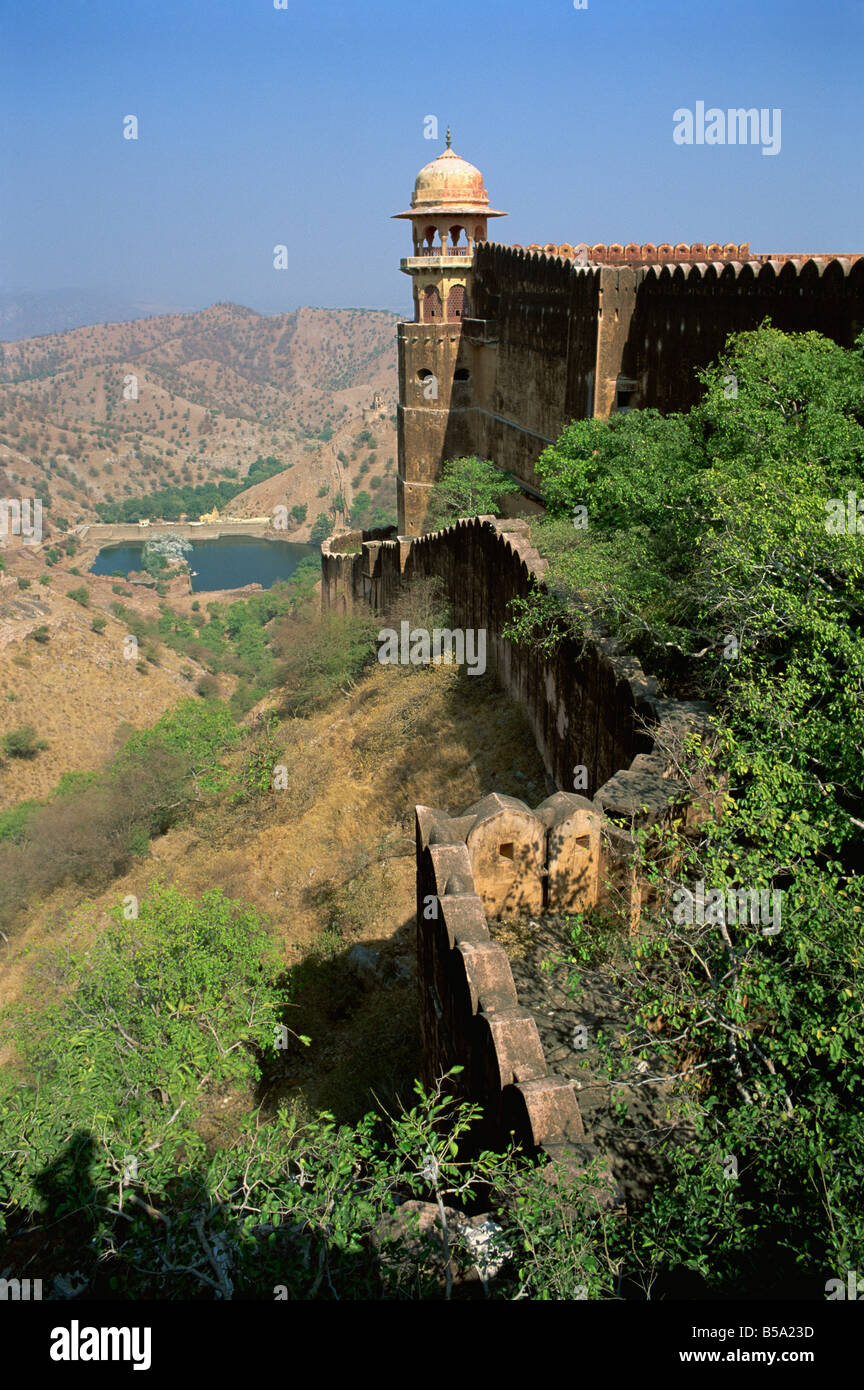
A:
330, 859
68, 672
116, 411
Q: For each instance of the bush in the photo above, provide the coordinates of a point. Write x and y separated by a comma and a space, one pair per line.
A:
468, 487
23, 742
99, 623
15, 820
177, 978
360, 508
321, 655
96, 821
81, 596
41, 634
23, 583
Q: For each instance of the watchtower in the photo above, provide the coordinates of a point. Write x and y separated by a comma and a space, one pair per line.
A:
448, 215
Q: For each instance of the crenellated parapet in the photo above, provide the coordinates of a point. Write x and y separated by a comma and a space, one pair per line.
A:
682, 253
592, 711
607, 329
470, 1015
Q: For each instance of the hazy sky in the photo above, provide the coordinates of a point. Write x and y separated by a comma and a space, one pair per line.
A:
304, 126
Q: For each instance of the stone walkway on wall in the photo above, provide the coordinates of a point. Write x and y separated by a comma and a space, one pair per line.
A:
630, 1142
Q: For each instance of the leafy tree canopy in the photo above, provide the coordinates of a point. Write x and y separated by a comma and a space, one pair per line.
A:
468, 487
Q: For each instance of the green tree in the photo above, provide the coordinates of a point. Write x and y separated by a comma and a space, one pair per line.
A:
322, 527
468, 487
711, 543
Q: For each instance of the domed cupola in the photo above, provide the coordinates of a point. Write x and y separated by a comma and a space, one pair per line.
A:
448, 187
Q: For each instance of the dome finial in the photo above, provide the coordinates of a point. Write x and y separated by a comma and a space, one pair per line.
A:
449, 142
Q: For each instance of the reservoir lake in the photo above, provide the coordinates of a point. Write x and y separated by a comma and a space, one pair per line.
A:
227, 563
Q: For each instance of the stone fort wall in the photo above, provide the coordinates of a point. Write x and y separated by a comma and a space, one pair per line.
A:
565, 332
470, 1014
588, 705
591, 707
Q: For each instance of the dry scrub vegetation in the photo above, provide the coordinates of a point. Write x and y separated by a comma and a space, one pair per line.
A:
329, 856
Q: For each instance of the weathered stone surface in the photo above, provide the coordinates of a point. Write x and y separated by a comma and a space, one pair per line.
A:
553, 1110
506, 849
517, 1046
573, 825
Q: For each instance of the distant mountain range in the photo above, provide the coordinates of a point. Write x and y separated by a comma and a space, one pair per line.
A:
117, 410
26, 314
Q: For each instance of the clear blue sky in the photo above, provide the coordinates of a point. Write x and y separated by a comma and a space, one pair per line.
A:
304, 126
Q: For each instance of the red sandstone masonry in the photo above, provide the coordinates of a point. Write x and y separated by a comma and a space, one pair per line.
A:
468, 1006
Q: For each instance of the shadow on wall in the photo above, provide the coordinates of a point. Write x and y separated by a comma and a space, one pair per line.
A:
588, 706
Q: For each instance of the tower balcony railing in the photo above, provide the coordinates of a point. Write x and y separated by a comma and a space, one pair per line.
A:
463, 250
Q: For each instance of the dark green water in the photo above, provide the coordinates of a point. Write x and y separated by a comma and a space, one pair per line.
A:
227, 563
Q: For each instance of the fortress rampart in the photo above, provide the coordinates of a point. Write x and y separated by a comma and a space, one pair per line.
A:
508, 344
470, 1014
590, 707
549, 339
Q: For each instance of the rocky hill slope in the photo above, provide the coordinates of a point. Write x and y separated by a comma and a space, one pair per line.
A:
118, 410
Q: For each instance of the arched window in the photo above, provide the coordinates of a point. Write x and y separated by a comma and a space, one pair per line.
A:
455, 303
455, 233
432, 310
